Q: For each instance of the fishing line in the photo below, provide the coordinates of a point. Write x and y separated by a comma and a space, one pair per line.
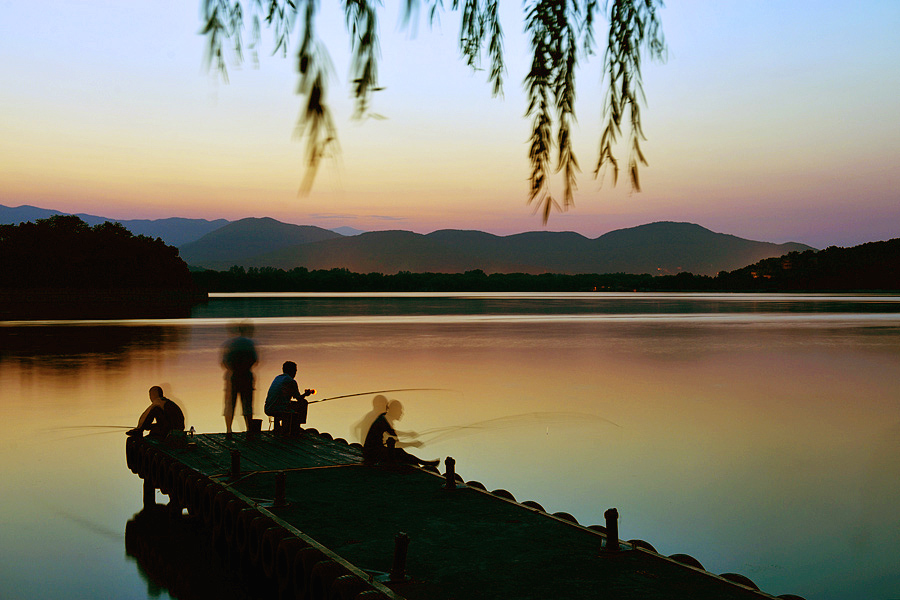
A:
383, 392
89, 427
81, 435
105, 428
543, 418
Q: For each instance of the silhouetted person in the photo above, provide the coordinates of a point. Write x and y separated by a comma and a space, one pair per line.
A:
288, 415
161, 417
379, 407
383, 445
238, 358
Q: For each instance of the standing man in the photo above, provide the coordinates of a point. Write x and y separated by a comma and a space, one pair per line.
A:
238, 358
287, 414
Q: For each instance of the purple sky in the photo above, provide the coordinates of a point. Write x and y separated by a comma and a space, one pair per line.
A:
772, 121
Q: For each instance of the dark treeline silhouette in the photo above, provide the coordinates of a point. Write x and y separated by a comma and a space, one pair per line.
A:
300, 279
872, 266
61, 267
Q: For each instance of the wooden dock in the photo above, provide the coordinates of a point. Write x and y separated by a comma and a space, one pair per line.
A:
315, 523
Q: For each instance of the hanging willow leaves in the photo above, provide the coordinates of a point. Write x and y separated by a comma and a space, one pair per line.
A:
561, 32
634, 26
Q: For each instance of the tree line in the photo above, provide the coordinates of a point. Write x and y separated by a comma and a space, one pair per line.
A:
873, 266
62, 267
63, 253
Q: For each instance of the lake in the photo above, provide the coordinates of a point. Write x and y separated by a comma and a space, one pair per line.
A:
758, 433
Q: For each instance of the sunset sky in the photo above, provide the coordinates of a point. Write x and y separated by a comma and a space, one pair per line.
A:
771, 120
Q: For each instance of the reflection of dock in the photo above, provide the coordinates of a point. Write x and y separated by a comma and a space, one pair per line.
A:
173, 554
318, 524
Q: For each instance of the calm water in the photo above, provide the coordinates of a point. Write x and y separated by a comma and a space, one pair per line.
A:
759, 434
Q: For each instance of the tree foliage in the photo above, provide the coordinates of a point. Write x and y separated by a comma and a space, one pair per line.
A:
870, 267
561, 34
65, 252
300, 279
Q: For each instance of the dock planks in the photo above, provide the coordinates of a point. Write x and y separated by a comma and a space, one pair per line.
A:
463, 542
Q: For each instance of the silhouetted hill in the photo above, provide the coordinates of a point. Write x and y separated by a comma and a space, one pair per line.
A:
656, 248
871, 266
236, 241
347, 230
378, 251
173, 231
13, 215
666, 248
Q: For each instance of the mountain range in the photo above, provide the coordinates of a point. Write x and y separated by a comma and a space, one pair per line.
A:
655, 248
174, 231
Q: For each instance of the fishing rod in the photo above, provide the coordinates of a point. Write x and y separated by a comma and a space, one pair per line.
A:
380, 392
543, 418
90, 427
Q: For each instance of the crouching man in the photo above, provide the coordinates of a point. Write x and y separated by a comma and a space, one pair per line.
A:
160, 418
383, 445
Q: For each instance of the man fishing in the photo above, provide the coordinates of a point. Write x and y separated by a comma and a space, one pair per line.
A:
379, 407
161, 417
383, 445
288, 415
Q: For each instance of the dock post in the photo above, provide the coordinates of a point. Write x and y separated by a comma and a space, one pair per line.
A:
280, 484
398, 569
612, 530
149, 493
235, 463
450, 474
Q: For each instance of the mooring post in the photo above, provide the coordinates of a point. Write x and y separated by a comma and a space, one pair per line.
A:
450, 474
398, 569
235, 463
280, 484
149, 493
612, 530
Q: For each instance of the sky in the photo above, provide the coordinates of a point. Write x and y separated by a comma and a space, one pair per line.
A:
770, 120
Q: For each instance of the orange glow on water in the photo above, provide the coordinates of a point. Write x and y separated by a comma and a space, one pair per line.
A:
721, 436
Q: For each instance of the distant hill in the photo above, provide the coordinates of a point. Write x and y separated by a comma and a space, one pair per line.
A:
347, 230
657, 248
233, 243
871, 266
174, 231
666, 248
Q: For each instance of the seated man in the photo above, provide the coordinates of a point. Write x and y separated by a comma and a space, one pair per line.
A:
288, 415
161, 417
382, 443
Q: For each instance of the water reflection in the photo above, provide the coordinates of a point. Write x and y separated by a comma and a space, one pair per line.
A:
556, 420
175, 558
762, 443
390, 304
74, 346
